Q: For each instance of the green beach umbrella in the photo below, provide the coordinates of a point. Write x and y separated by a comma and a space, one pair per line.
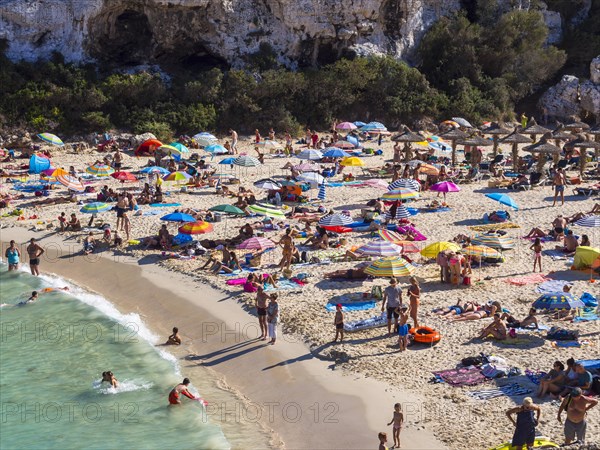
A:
228, 209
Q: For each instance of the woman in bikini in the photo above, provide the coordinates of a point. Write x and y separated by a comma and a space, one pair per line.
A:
414, 296
480, 313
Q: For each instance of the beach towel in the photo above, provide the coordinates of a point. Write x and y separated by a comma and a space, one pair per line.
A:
534, 278
535, 376
542, 239
418, 236
494, 226
590, 364
356, 306
434, 210
464, 376
164, 205
283, 285
586, 315
153, 212
240, 281
565, 344
552, 286
531, 329
509, 390
365, 324
555, 255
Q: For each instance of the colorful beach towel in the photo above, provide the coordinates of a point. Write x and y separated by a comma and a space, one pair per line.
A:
494, 226
355, 306
586, 315
535, 376
434, 210
283, 285
552, 286
534, 278
164, 205
365, 324
464, 376
509, 390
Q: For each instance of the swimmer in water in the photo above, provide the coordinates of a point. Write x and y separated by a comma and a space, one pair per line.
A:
34, 297
181, 388
109, 377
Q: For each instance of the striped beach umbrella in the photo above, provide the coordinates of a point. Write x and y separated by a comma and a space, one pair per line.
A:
246, 161
481, 251
124, 176
557, 300
267, 211
310, 155
51, 139
494, 241
177, 176
100, 170
95, 208
198, 227
408, 246
70, 183
267, 184
322, 195
407, 183
169, 149
344, 145
257, 243
53, 173
380, 248
401, 213
589, 221
390, 236
352, 161
205, 139
269, 144
432, 250
155, 169
335, 220
228, 209
178, 217
390, 267
401, 194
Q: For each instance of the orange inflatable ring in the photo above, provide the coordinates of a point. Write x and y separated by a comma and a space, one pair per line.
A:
425, 335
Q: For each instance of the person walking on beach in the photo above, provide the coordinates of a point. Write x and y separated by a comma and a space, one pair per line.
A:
339, 323
537, 250
234, 140
528, 416
382, 441
273, 318
392, 296
261, 309
397, 420
559, 182
414, 295
13, 256
34, 251
577, 406
181, 388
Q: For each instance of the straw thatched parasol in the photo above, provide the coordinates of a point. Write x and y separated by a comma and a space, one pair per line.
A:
543, 147
582, 143
515, 139
533, 129
453, 136
576, 125
496, 130
408, 137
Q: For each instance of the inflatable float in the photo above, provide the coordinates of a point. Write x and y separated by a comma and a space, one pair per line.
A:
425, 335
540, 442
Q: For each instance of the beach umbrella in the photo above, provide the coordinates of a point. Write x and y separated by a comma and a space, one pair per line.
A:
376, 183
333, 152
311, 177
196, 227
179, 146
450, 123
401, 194
227, 161
51, 139
428, 169
267, 184
503, 199
178, 217
352, 161
155, 169
169, 149
246, 161
481, 251
462, 122
70, 183
177, 176
533, 129
380, 248
390, 267
267, 211
322, 195
432, 250
307, 167
215, 149
228, 209
494, 241
100, 170
453, 136
353, 140
53, 173
344, 145
589, 221
95, 208
310, 154
407, 183
123, 176
557, 301
401, 213
257, 243
496, 130
582, 143
515, 138
346, 126
269, 144
444, 186
390, 236
373, 126
475, 141
408, 247
407, 136
335, 220
205, 139
359, 124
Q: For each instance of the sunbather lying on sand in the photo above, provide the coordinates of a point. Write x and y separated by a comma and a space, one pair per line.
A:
454, 310
511, 322
347, 274
480, 313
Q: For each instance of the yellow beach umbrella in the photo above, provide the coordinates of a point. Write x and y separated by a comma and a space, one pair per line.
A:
432, 250
352, 161
390, 267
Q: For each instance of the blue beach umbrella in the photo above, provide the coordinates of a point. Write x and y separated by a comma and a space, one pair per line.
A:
216, 149
227, 161
353, 141
503, 199
334, 152
359, 124
179, 146
155, 169
558, 300
178, 217
95, 208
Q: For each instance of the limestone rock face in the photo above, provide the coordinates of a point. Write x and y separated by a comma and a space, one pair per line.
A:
136, 32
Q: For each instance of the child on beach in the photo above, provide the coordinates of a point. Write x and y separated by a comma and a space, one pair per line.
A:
339, 323
466, 274
397, 420
537, 249
402, 327
382, 441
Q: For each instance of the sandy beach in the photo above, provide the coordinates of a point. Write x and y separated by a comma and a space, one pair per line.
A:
312, 393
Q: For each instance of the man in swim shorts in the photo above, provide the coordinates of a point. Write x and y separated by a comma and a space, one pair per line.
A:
181, 388
393, 296
403, 328
559, 182
34, 251
339, 323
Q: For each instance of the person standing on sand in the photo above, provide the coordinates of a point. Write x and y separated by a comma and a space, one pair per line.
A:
525, 423
577, 406
118, 160
559, 182
382, 441
397, 420
34, 251
414, 295
261, 310
339, 323
393, 296
273, 318
13, 256
537, 249
403, 327
234, 140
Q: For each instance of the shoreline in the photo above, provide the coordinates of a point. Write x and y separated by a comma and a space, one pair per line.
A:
298, 399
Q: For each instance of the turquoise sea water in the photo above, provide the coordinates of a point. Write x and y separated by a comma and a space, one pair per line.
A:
52, 355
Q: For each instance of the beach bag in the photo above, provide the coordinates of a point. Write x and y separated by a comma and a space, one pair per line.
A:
376, 292
474, 360
589, 300
493, 371
561, 334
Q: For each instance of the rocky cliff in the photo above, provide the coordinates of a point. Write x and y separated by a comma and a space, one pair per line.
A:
135, 32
